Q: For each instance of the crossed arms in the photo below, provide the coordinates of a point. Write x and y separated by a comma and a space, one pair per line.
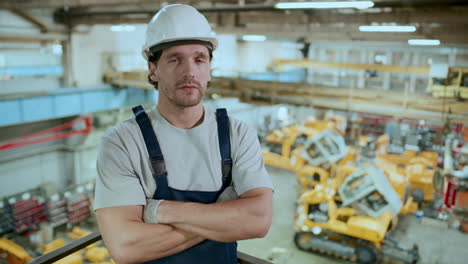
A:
183, 225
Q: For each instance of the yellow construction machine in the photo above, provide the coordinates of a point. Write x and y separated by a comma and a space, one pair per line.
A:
352, 222
309, 176
419, 170
285, 146
74, 258
12, 253
281, 144
93, 253
294, 146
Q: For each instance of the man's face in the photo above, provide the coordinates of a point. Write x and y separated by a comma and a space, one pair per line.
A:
183, 73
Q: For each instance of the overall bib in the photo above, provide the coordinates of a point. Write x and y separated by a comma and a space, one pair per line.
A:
208, 251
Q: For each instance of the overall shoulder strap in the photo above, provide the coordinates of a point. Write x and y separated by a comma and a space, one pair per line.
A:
151, 141
224, 145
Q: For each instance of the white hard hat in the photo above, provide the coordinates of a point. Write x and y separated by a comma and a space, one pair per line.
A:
177, 22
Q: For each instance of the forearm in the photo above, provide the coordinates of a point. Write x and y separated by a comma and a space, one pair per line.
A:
135, 242
248, 217
144, 242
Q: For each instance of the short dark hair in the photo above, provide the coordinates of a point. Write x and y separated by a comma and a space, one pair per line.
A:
156, 53
154, 58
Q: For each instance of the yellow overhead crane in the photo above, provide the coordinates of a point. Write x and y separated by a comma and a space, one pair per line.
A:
455, 85
304, 63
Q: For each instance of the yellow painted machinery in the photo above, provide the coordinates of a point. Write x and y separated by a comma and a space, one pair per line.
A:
111, 261
57, 243
281, 143
97, 254
455, 85
284, 144
401, 186
12, 253
313, 142
74, 258
353, 222
94, 253
77, 233
309, 176
419, 169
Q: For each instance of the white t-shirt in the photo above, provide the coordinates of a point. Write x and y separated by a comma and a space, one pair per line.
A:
192, 157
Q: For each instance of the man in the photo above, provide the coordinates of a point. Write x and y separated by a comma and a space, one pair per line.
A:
179, 184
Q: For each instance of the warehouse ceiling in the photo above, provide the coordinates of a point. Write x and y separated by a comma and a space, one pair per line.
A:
445, 20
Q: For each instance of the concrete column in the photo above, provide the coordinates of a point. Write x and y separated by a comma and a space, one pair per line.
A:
66, 64
322, 57
452, 57
413, 77
313, 55
344, 59
336, 74
416, 59
361, 81
386, 75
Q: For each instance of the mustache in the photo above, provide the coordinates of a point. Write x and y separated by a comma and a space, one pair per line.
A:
191, 82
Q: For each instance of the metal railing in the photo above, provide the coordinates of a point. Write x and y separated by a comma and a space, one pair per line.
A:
81, 243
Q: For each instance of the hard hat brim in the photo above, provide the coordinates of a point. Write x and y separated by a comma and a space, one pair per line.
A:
210, 43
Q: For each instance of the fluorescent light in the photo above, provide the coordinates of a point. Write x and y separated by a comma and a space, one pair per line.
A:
387, 28
253, 37
424, 42
337, 4
119, 28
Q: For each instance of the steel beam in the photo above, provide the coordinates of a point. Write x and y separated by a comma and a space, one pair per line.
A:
24, 15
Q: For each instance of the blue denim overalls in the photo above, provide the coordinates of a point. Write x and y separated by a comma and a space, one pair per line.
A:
208, 251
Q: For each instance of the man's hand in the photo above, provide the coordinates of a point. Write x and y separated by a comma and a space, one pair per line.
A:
222, 221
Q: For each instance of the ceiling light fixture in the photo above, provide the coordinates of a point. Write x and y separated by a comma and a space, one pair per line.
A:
254, 38
378, 28
334, 4
424, 42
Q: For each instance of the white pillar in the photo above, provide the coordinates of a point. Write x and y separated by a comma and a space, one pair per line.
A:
386, 75
452, 57
361, 81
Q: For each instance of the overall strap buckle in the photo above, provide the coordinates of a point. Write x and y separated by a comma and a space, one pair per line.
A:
151, 141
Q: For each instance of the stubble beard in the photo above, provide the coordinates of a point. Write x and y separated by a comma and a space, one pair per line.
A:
184, 99
193, 99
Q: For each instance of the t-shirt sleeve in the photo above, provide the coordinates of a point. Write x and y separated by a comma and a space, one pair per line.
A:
116, 184
248, 171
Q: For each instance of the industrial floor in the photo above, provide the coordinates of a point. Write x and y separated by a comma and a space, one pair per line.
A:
437, 243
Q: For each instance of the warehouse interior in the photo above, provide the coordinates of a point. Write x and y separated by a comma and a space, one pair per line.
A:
360, 108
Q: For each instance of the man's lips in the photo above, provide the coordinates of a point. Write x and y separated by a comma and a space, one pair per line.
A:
188, 87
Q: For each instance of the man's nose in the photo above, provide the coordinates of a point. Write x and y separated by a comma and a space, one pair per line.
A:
188, 69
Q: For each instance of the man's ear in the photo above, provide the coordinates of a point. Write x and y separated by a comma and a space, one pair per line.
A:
152, 70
